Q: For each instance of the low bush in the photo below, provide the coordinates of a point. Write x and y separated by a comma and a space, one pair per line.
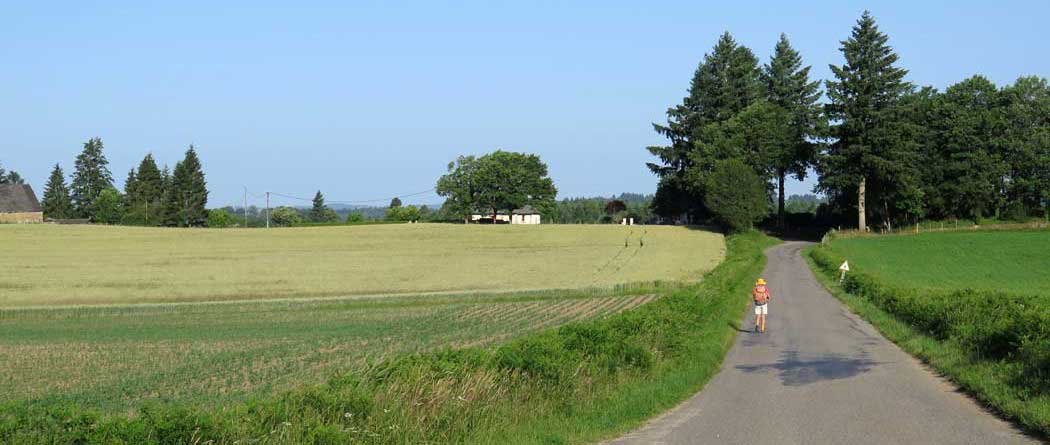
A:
565, 384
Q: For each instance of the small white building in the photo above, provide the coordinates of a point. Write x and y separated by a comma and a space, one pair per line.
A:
524, 215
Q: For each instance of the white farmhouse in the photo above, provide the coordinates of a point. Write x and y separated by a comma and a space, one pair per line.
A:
524, 215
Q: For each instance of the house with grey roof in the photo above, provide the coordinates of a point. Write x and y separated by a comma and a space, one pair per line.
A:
18, 204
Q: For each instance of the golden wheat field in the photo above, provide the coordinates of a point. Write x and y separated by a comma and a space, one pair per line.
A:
73, 265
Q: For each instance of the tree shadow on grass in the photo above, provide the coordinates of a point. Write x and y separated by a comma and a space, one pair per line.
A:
793, 370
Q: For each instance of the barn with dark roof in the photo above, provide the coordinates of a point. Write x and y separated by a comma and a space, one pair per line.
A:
18, 204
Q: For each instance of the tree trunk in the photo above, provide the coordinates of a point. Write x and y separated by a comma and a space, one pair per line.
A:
861, 226
780, 200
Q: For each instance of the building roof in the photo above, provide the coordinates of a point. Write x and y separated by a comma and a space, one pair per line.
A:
18, 198
527, 210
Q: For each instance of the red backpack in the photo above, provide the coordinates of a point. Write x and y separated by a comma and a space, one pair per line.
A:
760, 294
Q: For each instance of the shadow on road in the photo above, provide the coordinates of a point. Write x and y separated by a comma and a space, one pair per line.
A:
796, 371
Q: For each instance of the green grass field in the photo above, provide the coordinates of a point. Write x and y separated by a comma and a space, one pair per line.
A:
119, 316
116, 358
74, 265
994, 260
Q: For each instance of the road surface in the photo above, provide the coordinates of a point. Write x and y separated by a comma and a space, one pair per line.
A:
821, 375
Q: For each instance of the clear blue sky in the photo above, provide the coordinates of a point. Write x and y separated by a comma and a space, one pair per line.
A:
374, 99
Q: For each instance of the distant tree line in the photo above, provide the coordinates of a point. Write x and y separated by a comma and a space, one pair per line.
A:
883, 149
152, 196
10, 176
599, 210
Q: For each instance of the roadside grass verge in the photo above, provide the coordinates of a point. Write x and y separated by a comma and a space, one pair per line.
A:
992, 344
580, 382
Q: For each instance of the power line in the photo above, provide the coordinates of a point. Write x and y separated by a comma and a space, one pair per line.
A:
362, 201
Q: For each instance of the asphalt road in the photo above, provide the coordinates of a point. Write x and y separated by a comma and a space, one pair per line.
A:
821, 375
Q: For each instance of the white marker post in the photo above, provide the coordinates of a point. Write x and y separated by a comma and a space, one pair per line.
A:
844, 268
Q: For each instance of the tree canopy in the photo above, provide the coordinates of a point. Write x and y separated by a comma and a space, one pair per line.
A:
500, 180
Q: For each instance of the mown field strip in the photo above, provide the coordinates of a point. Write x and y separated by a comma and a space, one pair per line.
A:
116, 358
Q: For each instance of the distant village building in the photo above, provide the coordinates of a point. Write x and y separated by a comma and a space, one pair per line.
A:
524, 215
18, 204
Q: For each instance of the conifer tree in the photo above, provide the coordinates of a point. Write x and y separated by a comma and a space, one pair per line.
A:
318, 212
726, 82
188, 194
90, 177
788, 86
865, 158
56, 202
149, 192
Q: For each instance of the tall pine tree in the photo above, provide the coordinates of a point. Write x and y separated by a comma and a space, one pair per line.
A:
90, 177
865, 158
188, 193
56, 202
318, 212
145, 203
725, 83
788, 86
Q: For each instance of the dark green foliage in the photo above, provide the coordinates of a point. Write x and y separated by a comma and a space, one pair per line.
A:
396, 202
144, 194
56, 202
10, 177
90, 177
187, 195
726, 82
869, 159
500, 180
320, 213
736, 195
788, 87
109, 207
354, 217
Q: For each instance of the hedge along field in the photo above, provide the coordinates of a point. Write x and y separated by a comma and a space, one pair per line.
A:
118, 358
972, 305
75, 265
581, 382
1014, 261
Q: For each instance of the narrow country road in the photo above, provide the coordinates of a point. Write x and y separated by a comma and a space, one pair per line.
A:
821, 375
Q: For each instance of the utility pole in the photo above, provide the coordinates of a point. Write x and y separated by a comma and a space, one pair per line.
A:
245, 207
267, 210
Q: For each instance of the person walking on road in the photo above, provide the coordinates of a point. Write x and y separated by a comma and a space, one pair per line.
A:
761, 296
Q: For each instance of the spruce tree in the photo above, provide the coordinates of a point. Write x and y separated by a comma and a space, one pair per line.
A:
56, 202
318, 213
129, 187
788, 86
726, 82
90, 177
149, 192
188, 193
865, 157
165, 216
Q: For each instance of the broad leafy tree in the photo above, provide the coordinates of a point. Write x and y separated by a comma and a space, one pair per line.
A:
969, 128
500, 180
789, 87
866, 159
1026, 142
736, 195
90, 177
109, 207
395, 203
56, 202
